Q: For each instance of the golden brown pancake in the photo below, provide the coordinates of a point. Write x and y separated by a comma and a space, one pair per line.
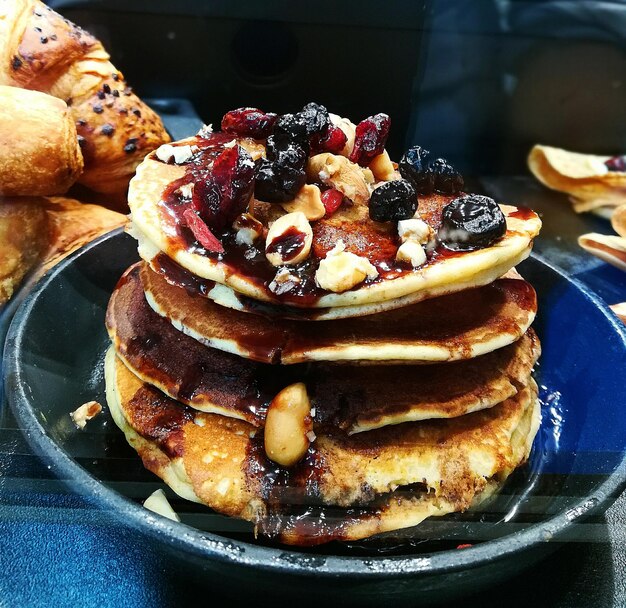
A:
155, 224
457, 326
351, 397
395, 476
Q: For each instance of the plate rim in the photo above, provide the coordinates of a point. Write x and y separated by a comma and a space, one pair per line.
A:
279, 560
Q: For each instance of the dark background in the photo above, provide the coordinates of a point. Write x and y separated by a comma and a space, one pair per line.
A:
477, 81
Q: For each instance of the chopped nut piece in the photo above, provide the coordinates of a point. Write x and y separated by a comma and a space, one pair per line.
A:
181, 154
283, 282
289, 239
157, 503
248, 229
341, 270
415, 230
288, 426
186, 190
84, 413
382, 167
411, 252
339, 173
308, 201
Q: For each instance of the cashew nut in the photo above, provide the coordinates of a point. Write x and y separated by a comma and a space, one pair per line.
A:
309, 201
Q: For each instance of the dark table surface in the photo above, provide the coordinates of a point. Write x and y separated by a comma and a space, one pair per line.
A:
56, 549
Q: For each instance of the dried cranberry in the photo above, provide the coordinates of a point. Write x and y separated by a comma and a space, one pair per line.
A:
370, 138
617, 163
334, 141
471, 222
201, 231
414, 166
393, 201
446, 179
248, 122
331, 199
275, 183
227, 189
285, 153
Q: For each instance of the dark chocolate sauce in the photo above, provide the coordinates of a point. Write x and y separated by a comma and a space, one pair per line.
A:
176, 275
522, 213
288, 245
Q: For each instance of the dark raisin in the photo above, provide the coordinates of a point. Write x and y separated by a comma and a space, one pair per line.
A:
393, 201
248, 122
53, 37
128, 91
16, 64
131, 145
617, 163
370, 139
43, 39
471, 222
97, 108
291, 126
100, 94
414, 167
106, 88
446, 179
108, 129
115, 76
227, 191
38, 30
275, 183
316, 119
136, 112
285, 153
115, 93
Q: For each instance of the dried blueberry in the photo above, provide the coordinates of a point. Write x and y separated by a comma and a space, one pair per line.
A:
446, 179
275, 183
285, 152
414, 167
316, 118
292, 127
617, 163
393, 201
471, 222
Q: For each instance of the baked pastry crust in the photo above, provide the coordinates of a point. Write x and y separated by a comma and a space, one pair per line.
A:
41, 50
39, 151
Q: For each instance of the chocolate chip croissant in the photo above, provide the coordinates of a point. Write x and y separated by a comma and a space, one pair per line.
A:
41, 50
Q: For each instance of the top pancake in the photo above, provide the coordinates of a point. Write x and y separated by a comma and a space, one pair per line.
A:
153, 220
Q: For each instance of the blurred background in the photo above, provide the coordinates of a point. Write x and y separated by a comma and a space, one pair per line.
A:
476, 81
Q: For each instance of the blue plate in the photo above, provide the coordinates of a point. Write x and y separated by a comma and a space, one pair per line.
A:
53, 363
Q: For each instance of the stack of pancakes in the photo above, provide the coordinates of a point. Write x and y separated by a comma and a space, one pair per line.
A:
422, 400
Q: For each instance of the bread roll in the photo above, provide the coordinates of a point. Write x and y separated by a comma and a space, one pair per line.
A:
39, 151
42, 51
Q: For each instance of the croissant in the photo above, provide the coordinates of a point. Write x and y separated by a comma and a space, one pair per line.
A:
41, 50
39, 151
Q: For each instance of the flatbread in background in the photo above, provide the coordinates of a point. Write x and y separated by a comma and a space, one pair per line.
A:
36, 233
608, 247
584, 177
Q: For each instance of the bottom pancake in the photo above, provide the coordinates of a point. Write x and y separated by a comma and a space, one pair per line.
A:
384, 479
